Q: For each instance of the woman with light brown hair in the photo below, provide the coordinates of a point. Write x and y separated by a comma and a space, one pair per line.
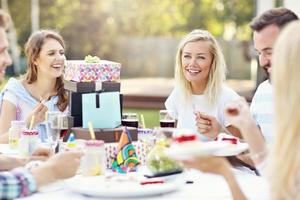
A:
41, 88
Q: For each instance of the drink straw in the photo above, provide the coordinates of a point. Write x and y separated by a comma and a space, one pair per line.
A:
143, 121
91, 129
46, 116
31, 122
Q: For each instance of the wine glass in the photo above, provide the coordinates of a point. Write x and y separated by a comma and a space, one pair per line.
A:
52, 127
56, 126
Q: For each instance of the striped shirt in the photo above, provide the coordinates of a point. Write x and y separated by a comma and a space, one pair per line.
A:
262, 110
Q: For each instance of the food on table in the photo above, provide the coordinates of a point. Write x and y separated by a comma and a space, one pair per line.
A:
186, 138
227, 138
158, 163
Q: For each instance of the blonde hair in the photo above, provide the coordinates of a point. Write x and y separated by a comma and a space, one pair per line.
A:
216, 74
284, 169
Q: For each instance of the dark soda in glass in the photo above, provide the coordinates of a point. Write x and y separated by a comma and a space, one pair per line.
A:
130, 123
167, 123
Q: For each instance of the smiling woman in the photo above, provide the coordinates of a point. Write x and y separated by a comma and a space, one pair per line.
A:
200, 95
41, 88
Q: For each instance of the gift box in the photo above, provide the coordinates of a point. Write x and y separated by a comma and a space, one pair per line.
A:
111, 150
107, 135
104, 86
82, 71
102, 109
75, 107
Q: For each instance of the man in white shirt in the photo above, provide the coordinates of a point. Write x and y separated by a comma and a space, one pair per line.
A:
266, 29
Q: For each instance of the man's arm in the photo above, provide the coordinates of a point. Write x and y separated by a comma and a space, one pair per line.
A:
8, 162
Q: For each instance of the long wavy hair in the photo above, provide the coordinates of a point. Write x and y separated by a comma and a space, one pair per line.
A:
284, 168
217, 71
32, 50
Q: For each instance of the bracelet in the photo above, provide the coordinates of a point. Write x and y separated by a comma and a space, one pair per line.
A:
260, 156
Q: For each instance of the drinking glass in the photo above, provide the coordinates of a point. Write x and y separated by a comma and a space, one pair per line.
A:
64, 122
52, 127
130, 119
56, 124
166, 118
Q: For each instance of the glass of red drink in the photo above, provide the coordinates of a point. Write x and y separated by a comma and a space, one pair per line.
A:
56, 127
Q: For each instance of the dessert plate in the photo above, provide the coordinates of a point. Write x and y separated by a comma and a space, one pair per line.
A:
99, 187
213, 148
232, 149
192, 149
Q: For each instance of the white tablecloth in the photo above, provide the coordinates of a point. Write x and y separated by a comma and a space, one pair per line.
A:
204, 186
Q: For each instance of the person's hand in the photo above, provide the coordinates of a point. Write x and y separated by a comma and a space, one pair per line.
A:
42, 154
64, 165
207, 125
209, 164
10, 162
39, 113
237, 112
60, 166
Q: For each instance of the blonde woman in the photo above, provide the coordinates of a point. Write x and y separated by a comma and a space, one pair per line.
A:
283, 160
200, 95
284, 168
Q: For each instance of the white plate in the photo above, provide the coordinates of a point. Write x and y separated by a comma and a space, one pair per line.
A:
215, 148
193, 149
99, 187
232, 150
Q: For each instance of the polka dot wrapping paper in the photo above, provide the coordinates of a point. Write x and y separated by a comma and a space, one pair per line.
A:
81, 71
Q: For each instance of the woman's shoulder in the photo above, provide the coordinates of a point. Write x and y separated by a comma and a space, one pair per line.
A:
228, 93
15, 86
175, 92
12, 82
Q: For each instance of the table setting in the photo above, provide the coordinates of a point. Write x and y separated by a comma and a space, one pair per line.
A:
131, 180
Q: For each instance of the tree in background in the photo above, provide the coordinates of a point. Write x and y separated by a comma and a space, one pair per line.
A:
93, 26
12, 37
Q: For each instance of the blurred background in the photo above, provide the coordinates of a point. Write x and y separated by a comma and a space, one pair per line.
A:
143, 35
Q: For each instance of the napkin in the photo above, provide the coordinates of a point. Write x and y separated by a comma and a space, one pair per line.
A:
126, 158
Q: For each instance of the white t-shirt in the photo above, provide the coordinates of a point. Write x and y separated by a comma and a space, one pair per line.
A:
262, 109
16, 93
184, 112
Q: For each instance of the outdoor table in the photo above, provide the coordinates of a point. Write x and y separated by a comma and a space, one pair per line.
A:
203, 186
199, 186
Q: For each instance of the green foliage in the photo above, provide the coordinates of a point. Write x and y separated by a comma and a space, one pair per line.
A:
20, 13
93, 26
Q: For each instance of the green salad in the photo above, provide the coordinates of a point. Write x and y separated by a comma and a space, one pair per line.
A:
157, 162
